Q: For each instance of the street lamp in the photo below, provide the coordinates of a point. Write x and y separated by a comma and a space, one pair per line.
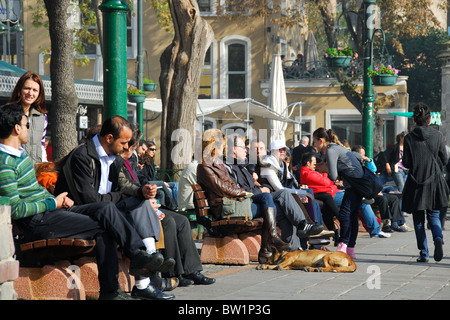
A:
3, 27
368, 97
16, 28
140, 66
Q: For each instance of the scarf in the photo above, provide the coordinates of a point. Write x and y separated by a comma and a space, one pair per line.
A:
130, 170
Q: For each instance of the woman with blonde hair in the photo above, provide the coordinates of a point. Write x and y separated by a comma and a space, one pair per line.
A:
213, 176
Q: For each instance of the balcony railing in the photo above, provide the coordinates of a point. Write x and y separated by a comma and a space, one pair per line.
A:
87, 91
316, 70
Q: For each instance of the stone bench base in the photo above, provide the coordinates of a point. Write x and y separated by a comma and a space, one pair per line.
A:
63, 281
237, 249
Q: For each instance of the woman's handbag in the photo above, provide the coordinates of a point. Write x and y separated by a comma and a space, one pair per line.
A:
368, 186
238, 208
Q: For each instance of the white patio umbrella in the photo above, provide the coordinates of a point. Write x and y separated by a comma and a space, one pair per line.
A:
98, 65
311, 52
277, 99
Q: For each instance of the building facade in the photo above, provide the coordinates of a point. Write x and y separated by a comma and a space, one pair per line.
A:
237, 66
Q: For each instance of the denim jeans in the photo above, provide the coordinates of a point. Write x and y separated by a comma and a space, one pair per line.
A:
366, 211
348, 215
419, 228
262, 201
398, 177
174, 187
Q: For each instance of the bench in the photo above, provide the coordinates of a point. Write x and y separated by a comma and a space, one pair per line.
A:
42, 252
223, 227
229, 241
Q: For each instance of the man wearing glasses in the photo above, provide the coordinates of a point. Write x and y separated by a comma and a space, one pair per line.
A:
40, 215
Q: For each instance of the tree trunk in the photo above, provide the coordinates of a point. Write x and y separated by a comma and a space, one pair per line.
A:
181, 69
62, 115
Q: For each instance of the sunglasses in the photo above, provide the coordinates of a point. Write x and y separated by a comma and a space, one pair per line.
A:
26, 125
152, 149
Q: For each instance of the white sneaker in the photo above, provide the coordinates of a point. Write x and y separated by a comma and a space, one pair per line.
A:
319, 241
323, 234
381, 234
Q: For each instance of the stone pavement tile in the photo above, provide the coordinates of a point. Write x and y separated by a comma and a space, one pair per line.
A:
386, 270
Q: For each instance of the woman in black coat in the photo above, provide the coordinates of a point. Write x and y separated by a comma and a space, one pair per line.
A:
426, 191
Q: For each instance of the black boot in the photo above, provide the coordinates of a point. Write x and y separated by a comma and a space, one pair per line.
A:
270, 227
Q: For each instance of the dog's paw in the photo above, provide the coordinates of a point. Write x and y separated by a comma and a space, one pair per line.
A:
260, 267
307, 269
280, 268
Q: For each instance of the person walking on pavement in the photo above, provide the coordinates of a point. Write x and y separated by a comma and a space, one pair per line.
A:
426, 190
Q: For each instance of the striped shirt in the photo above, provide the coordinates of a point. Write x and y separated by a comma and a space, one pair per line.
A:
18, 183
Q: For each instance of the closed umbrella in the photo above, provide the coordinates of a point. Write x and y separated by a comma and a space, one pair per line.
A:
98, 65
277, 99
311, 54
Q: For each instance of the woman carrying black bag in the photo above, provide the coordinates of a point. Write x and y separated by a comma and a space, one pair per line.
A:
341, 162
426, 190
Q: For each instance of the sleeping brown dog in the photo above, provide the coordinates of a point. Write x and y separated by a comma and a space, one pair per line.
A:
310, 261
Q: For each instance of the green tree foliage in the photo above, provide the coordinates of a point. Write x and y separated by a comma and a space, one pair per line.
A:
418, 60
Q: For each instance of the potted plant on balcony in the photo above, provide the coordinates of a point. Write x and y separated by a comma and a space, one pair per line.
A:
149, 85
382, 75
135, 95
338, 57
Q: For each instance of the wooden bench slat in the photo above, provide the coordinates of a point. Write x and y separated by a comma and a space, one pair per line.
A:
227, 225
203, 203
196, 187
53, 242
67, 242
26, 246
203, 212
83, 243
39, 243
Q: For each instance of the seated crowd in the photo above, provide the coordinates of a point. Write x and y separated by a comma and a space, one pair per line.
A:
108, 189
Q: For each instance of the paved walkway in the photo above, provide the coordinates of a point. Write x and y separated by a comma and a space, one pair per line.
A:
386, 270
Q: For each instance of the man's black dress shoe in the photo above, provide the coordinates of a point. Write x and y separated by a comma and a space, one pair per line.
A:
164, 284
184, 282
143, 264
115, 295
150, 293
167, 265
199, 278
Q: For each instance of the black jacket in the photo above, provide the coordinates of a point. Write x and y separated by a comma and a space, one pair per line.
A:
242, 176
390, 155
80, 176
425, 155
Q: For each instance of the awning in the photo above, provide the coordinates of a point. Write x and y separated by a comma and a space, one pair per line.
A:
435, 116
249, 107
7, 68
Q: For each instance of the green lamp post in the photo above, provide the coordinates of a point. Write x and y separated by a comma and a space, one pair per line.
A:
140, 67
114, 57
368, 97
